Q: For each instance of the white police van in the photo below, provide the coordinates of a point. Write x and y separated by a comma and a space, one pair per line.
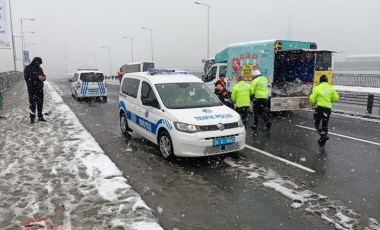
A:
179, 113
88, 83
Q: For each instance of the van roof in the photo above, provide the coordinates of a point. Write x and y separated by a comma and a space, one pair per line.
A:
165, 77
88, 71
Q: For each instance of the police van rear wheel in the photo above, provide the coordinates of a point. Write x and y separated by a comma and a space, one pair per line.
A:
124, 125
104, 99
166, 146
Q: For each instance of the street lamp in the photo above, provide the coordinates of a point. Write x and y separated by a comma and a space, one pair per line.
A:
26, 45
96, 63
208, 26
151, 39
131, 45
109, 55
22, 37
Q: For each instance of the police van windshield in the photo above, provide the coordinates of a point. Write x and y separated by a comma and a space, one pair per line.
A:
92, 77
186, 95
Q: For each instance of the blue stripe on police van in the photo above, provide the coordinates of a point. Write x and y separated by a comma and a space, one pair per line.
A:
143, 122
100, 88
103, 91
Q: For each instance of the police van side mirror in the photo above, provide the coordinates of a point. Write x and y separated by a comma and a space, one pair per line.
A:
70, 80
149, 102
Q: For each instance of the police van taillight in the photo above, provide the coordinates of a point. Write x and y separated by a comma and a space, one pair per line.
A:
78, 84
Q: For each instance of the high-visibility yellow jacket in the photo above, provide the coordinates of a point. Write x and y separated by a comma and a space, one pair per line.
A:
260, 87
323, 95
241, 94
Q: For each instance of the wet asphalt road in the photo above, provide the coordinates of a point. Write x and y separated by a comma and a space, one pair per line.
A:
203, 193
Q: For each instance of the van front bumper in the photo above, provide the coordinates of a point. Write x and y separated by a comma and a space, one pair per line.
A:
201, 143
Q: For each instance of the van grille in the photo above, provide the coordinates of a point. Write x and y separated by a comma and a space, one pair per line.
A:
215, 127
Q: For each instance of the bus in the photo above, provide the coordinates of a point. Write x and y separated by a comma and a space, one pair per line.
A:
137, 67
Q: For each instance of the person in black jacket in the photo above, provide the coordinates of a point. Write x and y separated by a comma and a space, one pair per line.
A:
35, 77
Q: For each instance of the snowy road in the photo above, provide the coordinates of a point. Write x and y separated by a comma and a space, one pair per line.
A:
251, 190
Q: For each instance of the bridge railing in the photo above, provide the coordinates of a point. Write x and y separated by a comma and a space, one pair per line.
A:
362, 80
7, 79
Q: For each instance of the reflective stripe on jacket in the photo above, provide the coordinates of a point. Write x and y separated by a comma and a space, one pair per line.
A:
323, 95
260, 87
241, 94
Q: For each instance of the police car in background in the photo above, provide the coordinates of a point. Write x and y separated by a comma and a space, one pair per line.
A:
87, 83
179, 113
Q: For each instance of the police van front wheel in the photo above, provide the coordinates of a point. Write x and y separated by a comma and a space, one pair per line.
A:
165, 145
124, 125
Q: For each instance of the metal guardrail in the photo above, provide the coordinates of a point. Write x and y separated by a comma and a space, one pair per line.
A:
7, 79
362, 80
368, 100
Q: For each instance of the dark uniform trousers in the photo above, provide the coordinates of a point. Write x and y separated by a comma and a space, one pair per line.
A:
243, 111
260, 108
322, 114
36, 99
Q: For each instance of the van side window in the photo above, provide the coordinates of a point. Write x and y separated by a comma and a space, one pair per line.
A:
211, 75
130, 87
147, 92
75, 78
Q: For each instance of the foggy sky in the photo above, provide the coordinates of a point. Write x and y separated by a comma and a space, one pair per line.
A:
180, 29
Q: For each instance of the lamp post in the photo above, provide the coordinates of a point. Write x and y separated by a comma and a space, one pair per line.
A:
96, 63
26, 46
13, 38
22, 38
24, 49
131, 45
151, 39
109, 55
208, 26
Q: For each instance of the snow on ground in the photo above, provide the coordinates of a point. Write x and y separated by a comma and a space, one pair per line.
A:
57, 170
357, 89
328, 210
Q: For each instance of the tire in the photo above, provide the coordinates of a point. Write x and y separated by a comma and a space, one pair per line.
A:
124, 125
76, 96
105, 99
165, 145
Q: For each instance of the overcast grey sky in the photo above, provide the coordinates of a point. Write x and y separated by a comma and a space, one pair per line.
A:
180, 29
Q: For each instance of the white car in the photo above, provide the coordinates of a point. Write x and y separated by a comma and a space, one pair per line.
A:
88, 83
179, 113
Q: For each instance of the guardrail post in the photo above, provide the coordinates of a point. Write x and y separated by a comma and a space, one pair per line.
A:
370, 103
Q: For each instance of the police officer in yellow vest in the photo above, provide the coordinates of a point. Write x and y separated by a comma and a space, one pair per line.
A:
241, 97
261, 103
322, 96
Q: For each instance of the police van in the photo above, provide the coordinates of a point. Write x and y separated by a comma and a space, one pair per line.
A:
179, 113
87, 83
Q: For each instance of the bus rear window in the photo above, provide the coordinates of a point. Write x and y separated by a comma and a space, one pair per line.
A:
92, 77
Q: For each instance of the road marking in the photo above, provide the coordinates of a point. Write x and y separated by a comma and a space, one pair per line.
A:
340, 135
279, 158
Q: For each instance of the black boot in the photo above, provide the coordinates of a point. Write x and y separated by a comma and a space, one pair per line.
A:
31, 120
42, 119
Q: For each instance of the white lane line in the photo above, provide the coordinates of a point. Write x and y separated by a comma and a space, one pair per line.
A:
279, 158
340, 135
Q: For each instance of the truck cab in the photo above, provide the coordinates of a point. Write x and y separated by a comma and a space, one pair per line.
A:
213, 74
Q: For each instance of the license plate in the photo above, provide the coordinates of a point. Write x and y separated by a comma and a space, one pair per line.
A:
223, 141
93, 91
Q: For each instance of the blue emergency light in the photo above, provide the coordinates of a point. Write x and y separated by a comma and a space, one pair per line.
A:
153, 71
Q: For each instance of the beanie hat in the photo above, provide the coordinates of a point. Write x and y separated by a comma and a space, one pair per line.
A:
323, 78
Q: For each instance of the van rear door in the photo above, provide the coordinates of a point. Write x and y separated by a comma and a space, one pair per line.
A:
92, 84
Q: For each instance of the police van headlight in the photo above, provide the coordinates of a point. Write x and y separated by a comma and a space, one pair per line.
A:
240, 123
187, 128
